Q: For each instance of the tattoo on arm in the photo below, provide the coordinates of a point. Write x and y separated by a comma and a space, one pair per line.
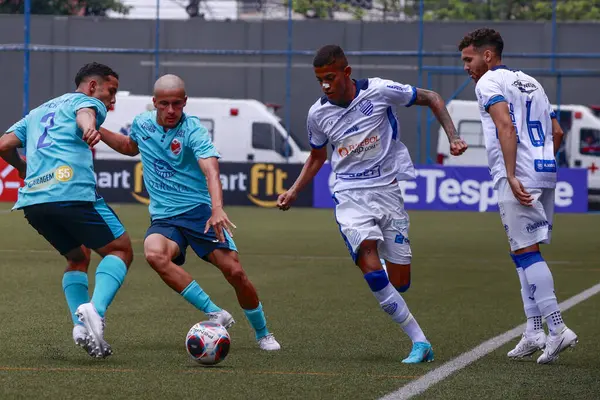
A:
435, 102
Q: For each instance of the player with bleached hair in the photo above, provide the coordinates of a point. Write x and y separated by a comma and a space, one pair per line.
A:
522, 137
358, 119
181, 174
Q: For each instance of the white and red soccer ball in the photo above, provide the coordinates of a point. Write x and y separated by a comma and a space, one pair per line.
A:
208, 343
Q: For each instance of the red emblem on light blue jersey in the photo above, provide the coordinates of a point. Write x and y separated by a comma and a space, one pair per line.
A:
176, 146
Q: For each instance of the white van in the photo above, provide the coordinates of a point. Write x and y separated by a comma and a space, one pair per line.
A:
580, 149
242, 130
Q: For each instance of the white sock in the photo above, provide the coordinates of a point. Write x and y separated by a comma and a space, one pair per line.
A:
532, 312
540, 280
392, 303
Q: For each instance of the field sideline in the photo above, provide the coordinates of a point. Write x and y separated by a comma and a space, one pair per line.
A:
336, 341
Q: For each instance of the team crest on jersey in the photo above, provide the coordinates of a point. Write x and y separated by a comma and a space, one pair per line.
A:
366, 107
176, 147
525, 86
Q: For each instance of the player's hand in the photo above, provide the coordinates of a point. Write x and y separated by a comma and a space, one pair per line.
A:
219, 222
458, 146
91, 137
285, 200
519, 191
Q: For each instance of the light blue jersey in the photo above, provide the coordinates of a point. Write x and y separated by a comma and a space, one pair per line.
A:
60, 164
172, 175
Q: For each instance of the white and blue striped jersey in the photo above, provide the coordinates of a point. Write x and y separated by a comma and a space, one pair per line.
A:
531, 114
365, 136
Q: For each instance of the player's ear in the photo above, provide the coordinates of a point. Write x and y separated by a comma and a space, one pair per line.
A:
93, 86
185, 101
487, 55
154, 101
348, 71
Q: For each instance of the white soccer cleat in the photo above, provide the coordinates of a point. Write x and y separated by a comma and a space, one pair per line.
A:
528, 345
556, 344
81, 339
94, 324
268, 343
222, 317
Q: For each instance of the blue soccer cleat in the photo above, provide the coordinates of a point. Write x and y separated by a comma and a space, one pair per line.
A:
421, 352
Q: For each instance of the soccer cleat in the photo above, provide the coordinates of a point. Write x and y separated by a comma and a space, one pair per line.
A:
421, 352
81, 339
95, 327
556, 344
221, 317
528, 345
268, 343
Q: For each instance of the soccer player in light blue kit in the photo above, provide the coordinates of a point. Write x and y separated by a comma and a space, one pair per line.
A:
181, 174
60, 201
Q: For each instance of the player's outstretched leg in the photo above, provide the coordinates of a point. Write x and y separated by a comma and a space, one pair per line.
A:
110, 274
392, 302
160, 253
75, 288
541, 282
534, 337
229, 264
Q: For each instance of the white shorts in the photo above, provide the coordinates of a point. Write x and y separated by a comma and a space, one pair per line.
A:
526, 226
374, 214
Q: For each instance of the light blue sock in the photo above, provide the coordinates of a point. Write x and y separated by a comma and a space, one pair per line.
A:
110, 275
258, 321
75, 287
194, 294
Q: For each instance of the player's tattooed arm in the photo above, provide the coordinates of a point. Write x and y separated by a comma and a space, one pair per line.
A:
8, 151
119, 143
437, 105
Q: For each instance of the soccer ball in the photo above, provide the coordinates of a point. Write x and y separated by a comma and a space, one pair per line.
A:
208, 343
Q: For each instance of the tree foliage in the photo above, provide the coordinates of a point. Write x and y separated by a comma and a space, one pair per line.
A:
461, 10
64, 7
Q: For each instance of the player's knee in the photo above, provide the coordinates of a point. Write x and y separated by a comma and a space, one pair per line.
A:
235, 274
158, 260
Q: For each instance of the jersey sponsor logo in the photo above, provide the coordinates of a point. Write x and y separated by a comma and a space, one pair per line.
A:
148, 126
64, 173
163, 169
525, 86
544, 165
366, 148
366, 174
396, 87
534, 226
176, 147
401, 239
366, 107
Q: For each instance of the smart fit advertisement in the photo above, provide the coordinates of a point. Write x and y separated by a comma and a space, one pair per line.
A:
122, 181
435, 188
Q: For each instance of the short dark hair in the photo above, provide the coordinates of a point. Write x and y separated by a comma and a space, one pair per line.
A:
328, 55
483, 37
94, 69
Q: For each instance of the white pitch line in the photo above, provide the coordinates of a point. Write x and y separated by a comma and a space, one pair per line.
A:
434, 376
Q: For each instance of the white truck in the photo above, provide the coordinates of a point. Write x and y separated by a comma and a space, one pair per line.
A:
580, 149
242, 130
